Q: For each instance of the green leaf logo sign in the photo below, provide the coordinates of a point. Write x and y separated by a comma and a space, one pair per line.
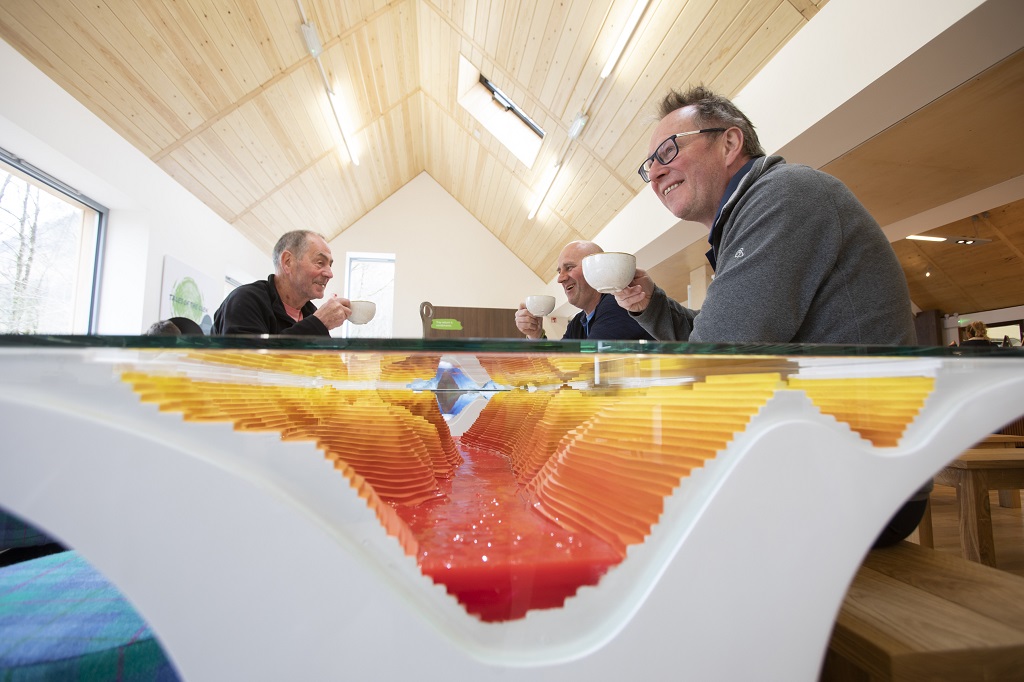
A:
446, 323
187, 299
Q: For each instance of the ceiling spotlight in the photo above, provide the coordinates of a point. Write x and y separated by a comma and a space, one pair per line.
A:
312, 39
577, 125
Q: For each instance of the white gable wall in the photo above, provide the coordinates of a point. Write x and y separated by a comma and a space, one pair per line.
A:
443, 255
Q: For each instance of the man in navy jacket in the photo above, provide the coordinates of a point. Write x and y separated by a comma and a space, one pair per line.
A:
600, 317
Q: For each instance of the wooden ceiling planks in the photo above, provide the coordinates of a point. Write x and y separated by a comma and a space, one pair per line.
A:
49, 45
807, 8
781, 25
969, 139
588, 58
224, 95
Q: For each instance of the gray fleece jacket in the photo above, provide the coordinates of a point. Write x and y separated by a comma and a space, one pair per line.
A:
799, 260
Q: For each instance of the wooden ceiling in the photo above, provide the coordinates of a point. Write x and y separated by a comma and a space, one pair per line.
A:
225, 97
964, 142
955, 278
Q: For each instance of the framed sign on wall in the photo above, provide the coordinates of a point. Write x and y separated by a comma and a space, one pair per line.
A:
187, 292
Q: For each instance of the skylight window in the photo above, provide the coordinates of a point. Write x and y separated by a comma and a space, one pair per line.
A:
496, 112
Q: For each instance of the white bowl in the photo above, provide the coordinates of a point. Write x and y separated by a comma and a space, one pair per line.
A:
539, 306
362, 311
609, 272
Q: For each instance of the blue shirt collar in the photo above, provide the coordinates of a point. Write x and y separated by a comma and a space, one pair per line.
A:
587, 319
716, 229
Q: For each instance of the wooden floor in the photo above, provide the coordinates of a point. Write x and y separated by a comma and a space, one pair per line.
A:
1007, 529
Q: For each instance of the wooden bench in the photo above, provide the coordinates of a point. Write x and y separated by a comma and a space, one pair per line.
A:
1000, 440
914, 613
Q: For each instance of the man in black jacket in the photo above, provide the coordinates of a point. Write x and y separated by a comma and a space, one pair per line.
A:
600, 316
281, 304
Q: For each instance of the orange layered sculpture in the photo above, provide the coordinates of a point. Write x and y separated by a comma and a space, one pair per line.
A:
548, 488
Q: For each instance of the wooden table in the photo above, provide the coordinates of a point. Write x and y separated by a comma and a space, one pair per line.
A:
1007, 498
974, 474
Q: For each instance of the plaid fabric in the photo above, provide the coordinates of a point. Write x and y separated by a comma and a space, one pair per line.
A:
61, 620
16, 533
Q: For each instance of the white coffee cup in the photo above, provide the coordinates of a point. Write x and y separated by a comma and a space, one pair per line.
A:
362, 311
609, 272
539, 306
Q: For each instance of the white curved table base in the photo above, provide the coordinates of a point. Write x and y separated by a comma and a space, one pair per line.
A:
249, 563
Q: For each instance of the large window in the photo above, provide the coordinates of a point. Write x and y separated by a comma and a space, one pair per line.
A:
371, 277
50, 237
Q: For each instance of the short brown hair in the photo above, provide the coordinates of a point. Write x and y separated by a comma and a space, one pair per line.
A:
712, 111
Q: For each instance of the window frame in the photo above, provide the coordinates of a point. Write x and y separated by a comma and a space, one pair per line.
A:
374, 257
71, 195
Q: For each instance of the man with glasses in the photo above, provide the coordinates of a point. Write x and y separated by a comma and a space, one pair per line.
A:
797, 258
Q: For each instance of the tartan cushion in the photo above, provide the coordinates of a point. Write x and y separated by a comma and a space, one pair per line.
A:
16, 533
60, 619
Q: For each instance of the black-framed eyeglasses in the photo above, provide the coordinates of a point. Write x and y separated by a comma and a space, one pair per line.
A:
668, 150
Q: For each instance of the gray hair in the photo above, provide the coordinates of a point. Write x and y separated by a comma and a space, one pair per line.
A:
295, 242
163, 328
713, 111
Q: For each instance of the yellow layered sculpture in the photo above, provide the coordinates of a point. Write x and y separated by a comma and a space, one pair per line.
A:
600, 461
611, 478
388, 453
508, 418
878, 408
537, 370
328, 365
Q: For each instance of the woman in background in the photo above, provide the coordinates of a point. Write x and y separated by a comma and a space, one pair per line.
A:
977, 335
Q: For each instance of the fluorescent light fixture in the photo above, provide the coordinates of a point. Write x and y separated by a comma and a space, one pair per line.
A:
627, 31
552, 174
335, 106
316, 48
965, 241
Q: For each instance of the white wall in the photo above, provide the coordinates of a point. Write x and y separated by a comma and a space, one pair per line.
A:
442, 255
151, 215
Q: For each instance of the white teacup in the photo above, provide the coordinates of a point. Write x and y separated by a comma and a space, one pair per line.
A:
539, 306
362, 311
609, 272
